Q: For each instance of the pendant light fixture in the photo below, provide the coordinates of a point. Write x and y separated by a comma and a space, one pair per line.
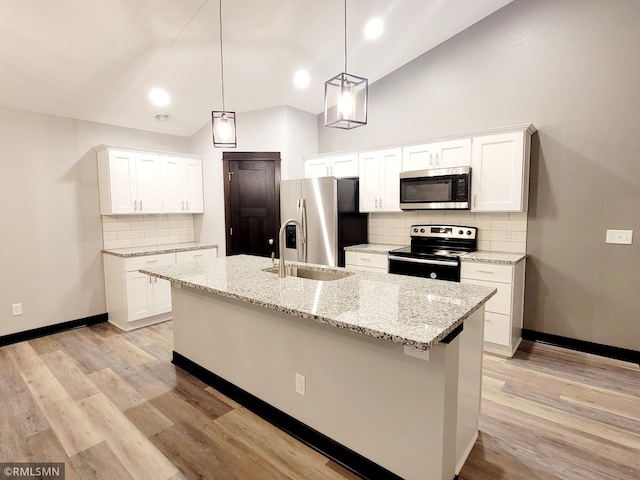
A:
223, 123
345, 95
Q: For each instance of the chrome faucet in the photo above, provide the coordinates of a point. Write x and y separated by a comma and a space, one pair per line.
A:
282, 271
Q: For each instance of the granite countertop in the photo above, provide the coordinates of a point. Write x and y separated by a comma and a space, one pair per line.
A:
408, 310
157, 249
372, 248
494, 257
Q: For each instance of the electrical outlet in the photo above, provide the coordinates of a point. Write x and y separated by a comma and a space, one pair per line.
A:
16, 309
507, 233
624, 237
300, 384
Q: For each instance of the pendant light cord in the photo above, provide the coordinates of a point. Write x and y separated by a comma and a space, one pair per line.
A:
345, 36
221, 56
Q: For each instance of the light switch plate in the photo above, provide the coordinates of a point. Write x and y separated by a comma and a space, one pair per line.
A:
624, 237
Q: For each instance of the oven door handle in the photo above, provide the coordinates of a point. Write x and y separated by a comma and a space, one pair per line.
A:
421, 260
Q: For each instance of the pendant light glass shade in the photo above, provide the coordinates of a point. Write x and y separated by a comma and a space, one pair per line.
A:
345, 101
224, 129
223, 123
346, 96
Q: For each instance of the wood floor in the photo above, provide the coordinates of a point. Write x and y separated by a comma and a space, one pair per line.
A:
112, 406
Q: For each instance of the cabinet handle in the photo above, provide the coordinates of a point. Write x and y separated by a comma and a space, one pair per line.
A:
187, 205
381, 203
363, 259
182, 204
150, 279
475, 200
486, 271
437, 159
431, 159
140, 205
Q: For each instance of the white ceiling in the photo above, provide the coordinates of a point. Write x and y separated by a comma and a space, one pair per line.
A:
96, 60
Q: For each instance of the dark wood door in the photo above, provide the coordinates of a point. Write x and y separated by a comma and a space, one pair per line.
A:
252, 202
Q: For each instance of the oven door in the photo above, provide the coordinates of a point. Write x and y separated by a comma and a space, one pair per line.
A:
426, 268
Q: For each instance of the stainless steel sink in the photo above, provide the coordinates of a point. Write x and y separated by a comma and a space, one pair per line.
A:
321, 274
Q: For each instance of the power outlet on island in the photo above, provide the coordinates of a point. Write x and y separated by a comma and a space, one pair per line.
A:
16, 309
300, 384
621, 237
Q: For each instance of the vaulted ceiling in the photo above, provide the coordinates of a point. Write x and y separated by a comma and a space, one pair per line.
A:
97, 60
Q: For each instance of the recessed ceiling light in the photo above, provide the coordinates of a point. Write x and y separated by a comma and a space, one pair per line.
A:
373, 28
159, 97
301, 79
162, 116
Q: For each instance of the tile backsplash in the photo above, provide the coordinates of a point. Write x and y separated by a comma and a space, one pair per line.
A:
121, 231
497, 232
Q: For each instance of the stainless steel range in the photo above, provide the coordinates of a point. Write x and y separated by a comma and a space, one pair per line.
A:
435, 251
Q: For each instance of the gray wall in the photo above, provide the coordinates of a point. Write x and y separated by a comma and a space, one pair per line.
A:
572, 68
51, 229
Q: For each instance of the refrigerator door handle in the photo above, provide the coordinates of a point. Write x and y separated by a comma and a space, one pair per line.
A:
303, 211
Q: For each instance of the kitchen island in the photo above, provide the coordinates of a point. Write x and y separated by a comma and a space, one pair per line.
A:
383, 370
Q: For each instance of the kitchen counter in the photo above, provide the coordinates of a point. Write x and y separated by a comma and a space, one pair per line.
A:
494, 257
412, 311
158, 249
372, 248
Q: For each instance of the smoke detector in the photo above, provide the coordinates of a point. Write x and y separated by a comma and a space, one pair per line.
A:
162, 116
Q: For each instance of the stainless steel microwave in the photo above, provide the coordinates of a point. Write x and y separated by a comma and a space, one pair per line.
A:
438, 189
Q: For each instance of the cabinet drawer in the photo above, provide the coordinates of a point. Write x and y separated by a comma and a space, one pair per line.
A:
501, 301
195, 255
375, 260
497, 328
487, 271
136, 263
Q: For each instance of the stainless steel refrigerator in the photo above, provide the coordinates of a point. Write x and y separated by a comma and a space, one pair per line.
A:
328, 209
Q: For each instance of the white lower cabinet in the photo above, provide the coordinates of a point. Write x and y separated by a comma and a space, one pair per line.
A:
504, 311
370, 262
136, 300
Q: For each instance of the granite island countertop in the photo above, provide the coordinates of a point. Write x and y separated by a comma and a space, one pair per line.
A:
157, 249
412, 311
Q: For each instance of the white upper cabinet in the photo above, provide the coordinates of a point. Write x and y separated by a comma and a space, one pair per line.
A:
380, 180
129, 182
182, 185
500, 171
331, 165
138, 182
445, 154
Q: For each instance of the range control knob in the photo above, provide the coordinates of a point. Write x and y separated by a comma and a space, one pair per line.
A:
460, 232
433, 275
468, 232
422, 230
415, 230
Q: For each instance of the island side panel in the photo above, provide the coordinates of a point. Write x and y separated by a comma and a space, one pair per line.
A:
363, 392
469, 386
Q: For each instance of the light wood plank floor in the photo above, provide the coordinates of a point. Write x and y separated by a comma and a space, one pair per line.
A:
111, 405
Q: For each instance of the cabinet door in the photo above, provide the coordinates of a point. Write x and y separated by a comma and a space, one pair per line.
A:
453, 153
193, 185
122, 182
370, 181
345, 165
161, 296
497, 173
172, 185
149, 183
391, 163
139, 290
317, 167
418, 157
